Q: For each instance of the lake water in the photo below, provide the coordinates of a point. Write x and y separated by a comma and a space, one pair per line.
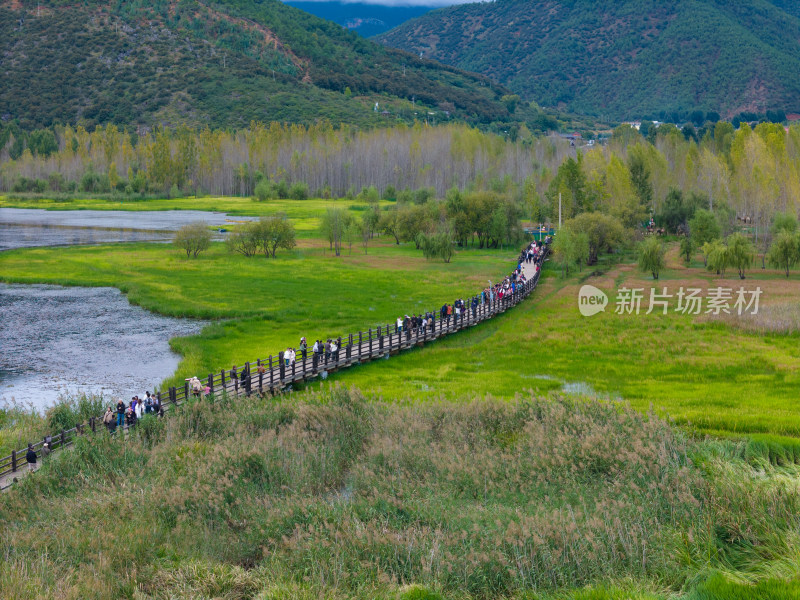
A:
58, 339
70, 339
26, 228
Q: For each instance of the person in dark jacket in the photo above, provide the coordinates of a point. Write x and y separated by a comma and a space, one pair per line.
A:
120, 413
30, 456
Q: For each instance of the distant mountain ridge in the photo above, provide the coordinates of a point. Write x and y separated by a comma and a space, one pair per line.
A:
625, 58
365, 18
221, 63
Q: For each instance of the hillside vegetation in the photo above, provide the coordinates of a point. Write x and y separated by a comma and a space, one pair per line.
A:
622, 59
221, 63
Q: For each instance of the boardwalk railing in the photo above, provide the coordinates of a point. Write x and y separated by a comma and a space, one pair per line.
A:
272, 374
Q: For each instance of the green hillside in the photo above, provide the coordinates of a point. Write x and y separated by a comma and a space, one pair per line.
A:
623, 59
221, 63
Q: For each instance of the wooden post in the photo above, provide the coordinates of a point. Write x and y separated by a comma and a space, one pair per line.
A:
359, 346
294, 362
222, 380
260, 377
271, 374
211, 382
370, 343
185, 390
13, 461
92, 425
63, 439
281, 365
380, 340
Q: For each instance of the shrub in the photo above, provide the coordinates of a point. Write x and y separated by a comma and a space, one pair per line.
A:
264, 190
298, 191
193, 238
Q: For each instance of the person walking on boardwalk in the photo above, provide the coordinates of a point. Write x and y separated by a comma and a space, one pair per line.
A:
303, 347
120, 413
197, 387
30, 457
109, 419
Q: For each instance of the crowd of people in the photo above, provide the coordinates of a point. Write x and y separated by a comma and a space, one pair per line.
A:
324, 352
129, 414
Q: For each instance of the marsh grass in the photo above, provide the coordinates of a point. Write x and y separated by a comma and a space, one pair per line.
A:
329, 495
21, 424
771, 319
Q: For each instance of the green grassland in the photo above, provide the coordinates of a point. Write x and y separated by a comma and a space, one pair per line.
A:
710, 374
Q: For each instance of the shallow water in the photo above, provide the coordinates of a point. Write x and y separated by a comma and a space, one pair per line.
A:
56, 339
30, 227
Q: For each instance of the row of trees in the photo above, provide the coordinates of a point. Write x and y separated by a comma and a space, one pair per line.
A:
319, 157
749, 173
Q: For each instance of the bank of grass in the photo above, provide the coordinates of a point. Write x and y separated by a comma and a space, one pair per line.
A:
306, 215
334, 495
265, 304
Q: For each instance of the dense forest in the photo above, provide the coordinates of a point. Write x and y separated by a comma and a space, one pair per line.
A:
623, 60
221, 64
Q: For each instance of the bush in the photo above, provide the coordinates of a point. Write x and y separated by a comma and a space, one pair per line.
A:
298, 191
265, 235
70, 411
264, 191
281, 189
390, 193
193, 238
26, 185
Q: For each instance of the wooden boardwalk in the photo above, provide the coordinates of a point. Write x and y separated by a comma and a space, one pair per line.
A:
271, 375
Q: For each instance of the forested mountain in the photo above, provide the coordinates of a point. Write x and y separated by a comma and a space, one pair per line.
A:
623, 58
216, 62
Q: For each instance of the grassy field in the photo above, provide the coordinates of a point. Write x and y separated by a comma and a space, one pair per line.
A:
715, 374
305, 214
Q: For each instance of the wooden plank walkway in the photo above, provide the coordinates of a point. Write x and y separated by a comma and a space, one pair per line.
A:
272, 375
